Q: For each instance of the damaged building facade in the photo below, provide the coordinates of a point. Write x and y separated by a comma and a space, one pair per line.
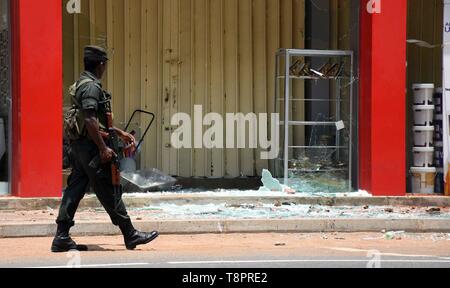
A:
169, 56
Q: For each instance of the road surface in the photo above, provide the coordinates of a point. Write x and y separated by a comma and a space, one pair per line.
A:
331, 250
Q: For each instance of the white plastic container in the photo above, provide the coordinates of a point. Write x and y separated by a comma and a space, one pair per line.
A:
423, 136
424, 115
423, 94
423, 180
2, 139
439, 144
423, 156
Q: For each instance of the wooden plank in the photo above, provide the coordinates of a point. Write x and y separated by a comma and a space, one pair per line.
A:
81, 36
246, 80
185, 78
166, 101
132, 57
118, 60
334, 23
345, 25
298, 87
151, 51
110, 45
272, 44
200, 78
174, 77
83, 32
92, 20
127, 42
149, 84
259, 71
76, 40
159, 77
231, 77
287, 42
100, 35
216, 87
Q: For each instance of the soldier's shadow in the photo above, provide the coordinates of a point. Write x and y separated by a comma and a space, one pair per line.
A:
98, 248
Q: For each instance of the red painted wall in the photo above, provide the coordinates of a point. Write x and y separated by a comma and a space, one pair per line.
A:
37, 99
383, 99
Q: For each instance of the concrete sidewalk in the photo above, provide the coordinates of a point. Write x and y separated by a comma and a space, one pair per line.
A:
142, 200
195, 219
100, 228
221, 213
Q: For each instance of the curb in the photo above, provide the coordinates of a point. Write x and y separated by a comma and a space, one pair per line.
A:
16, 204
237, 226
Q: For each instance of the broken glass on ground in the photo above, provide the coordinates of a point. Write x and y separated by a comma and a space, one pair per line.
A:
286, 211
147, 180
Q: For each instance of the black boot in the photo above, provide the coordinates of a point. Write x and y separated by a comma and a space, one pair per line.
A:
133, 238
63, 242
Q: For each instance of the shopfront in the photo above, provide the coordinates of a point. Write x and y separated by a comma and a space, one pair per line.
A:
167, 56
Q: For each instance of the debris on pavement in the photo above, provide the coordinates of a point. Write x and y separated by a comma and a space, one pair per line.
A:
434, 210
257, 210
394, 235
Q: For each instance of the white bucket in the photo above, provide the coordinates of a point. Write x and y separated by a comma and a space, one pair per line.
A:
423, 115
2, 139
423, 94
423, 180
423, 136
423, 156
